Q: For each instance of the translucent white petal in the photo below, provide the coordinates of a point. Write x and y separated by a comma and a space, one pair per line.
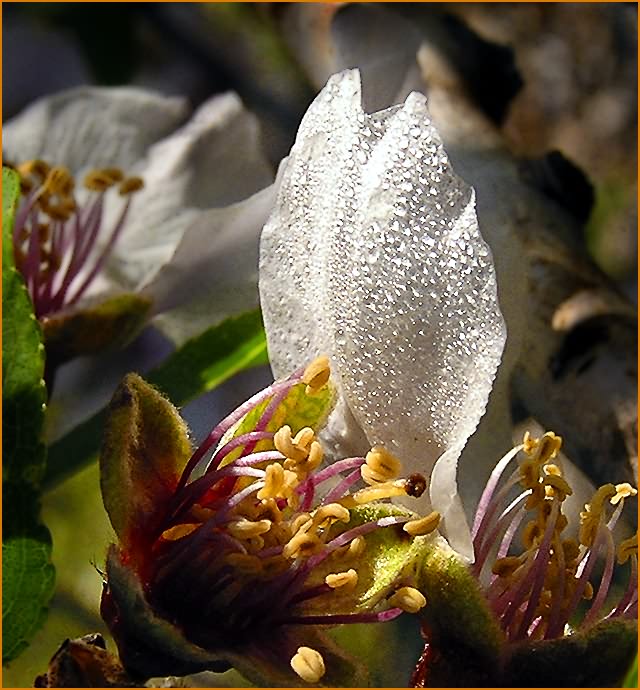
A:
373, 256
92, 127
214, 160
214, 271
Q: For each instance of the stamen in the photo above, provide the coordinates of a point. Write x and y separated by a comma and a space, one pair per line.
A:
130, 185
179, 531
245, 529
316, 375
381, 466
627, 548
623, 491
348, 579
408, 599
308, 664
425, 525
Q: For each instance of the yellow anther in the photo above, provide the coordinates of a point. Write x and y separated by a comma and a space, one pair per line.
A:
623, 491
308, 664
37, 168
130, 185
381, 466
285, 444
547, 447
327, 515
99, 180
356, 547
301, 523
408, 599
59, 182
558, 485
505, 567
179, 531
603, 494
375, 493
588, 592
279, 483
245, 529
348, 579
316, 375
244, 563
304, 437
627, 548
302, 544
425, 525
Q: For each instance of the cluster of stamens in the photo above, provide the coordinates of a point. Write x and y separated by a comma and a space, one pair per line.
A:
265, 531
536, 594
58, 239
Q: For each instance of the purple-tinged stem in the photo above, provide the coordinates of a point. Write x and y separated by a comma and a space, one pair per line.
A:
605, 580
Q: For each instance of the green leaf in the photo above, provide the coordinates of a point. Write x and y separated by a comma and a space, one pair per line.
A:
631, 679
198, 366
27, 573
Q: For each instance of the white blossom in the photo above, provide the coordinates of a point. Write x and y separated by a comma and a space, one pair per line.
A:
373, 256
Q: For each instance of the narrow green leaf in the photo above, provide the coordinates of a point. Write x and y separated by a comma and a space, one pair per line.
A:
27, 573
631, 679
198, 366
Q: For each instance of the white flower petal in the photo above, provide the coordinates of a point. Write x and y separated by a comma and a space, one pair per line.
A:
92, 127
214, 271
373, 256
215, 159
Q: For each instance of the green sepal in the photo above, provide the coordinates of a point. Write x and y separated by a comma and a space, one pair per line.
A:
297, 410
391, 559
151, 646
598, 657
94, 327
145, 448
458, 619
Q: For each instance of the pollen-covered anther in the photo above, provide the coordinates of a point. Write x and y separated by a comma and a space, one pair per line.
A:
317, 374
301, 545
377, 492
627, 548
296, 449
245, 529
547, 448
179, 531
346, 580
130, 185
624, 490
99, 180
279, 483
557, 486
423, 526
326, 515
308, 664
408, 599
59, 182
380, 466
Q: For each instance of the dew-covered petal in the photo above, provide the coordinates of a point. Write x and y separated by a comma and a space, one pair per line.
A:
92, 127
214, 160
373, 256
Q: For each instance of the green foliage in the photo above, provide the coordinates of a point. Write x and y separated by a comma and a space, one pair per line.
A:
200, 365
631, 679
27, 574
